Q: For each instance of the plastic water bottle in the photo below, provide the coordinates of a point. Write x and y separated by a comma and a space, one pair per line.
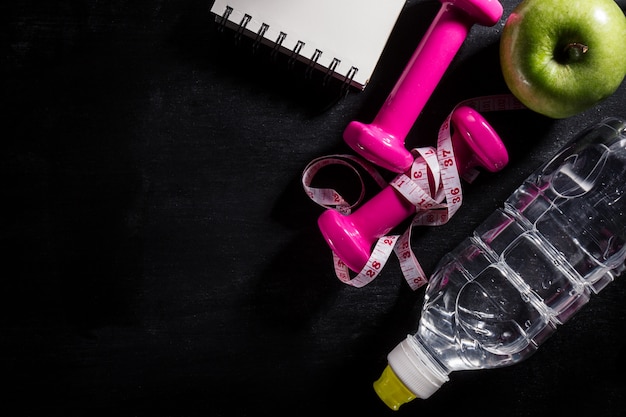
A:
525, 270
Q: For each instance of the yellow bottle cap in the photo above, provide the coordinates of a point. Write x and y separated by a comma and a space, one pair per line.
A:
391, 390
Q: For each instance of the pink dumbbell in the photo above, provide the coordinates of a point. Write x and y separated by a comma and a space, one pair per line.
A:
382, 141
352, 236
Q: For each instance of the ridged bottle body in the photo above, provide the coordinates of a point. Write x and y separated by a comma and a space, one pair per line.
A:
559, 238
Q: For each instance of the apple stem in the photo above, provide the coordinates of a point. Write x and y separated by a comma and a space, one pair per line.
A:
575, 51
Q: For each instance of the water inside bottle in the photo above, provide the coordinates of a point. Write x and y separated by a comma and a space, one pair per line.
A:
531, 265
586, 218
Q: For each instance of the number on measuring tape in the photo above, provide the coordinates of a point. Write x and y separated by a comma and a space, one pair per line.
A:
383, 248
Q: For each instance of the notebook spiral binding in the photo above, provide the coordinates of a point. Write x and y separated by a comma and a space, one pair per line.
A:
294, 55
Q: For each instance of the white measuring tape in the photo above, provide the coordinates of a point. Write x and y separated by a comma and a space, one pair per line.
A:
328, 197
432, 179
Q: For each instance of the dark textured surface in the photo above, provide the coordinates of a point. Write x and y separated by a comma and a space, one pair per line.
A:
161, 257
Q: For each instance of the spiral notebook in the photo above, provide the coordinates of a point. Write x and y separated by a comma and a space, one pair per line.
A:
342, 38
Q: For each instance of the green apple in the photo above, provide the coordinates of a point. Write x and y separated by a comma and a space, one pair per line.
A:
561, 57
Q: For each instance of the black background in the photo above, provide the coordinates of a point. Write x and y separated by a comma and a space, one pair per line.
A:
161, 257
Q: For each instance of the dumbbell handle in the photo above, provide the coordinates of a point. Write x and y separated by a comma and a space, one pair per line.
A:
382, 141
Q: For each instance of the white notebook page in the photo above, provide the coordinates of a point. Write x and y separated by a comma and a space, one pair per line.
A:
354, 32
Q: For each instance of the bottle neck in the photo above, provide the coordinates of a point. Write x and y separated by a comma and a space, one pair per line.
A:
416, 368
